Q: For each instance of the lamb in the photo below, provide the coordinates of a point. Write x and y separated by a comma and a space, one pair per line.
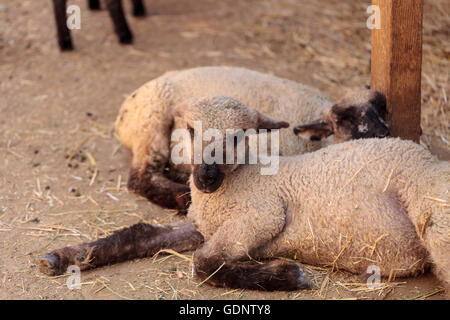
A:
115, 10
380, 202
146, 121
377, 196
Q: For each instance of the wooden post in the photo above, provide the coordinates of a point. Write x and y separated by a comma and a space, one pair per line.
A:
397, 63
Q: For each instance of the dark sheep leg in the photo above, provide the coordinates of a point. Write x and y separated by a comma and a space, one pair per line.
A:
160, 190
64, 39
138, 8
271, 276
94, 4
138, 241
121, 28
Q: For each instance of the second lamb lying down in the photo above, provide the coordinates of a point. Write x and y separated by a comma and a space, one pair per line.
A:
380, 202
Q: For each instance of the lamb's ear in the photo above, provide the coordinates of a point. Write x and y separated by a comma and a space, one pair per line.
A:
314, 131
265, 122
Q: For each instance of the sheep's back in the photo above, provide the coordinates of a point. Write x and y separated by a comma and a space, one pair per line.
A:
280, 98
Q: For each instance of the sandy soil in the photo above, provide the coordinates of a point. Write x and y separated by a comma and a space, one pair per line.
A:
53, 105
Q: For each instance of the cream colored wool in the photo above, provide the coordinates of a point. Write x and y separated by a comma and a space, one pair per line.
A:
381, 202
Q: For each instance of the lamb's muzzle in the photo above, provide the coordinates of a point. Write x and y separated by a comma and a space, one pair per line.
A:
207, 177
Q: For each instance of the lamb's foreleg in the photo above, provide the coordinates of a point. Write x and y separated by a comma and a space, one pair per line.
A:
151, 156
153, 185
64, 39
221, 259
138, 241
121, 28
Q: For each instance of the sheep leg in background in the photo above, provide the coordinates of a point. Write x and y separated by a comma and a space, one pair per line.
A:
64, 39
221, 259
138, 8
138, 241
94, 4
120, 23
153, 185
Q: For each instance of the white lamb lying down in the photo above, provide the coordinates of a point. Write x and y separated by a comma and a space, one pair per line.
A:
380, 202
146, 121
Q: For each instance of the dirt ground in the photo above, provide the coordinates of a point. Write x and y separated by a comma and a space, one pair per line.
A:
54, 105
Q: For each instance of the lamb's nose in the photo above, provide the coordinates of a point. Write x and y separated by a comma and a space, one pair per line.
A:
208, 173
212, 171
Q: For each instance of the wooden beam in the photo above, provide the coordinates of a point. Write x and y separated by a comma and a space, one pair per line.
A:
397, 63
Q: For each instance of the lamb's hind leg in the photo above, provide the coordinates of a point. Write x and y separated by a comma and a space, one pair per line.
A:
138, 241
271, 276
220, 261
121, 28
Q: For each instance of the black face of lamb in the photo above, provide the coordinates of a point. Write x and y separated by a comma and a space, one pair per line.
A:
208, 177
363, 122
379, 116
375, 125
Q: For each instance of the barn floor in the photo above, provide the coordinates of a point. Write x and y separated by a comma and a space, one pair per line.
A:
52, 105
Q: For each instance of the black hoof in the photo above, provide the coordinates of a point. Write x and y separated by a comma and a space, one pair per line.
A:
139, 10
49, 264
303, 281
94, 4
65, 45
126, 38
